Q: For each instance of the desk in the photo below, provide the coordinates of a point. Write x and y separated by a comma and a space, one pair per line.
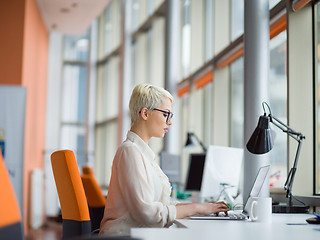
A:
283, 226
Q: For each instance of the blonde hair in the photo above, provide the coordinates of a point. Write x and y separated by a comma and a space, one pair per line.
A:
146, 95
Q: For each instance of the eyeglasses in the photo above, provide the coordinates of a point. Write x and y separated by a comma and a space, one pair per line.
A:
166, 114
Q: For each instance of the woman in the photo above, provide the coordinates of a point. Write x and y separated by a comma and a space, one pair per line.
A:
139, 192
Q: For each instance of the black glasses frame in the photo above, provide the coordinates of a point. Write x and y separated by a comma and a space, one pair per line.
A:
169, 116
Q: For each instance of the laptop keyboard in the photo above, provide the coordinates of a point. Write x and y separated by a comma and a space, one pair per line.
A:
222, 216
234, 215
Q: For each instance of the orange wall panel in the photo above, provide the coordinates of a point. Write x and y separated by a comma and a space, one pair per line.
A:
34, 77
11, 41
24, 47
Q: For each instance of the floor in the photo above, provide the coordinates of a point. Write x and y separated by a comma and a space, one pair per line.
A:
52, 230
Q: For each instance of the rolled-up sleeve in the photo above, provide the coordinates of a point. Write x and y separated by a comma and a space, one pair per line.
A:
138, 193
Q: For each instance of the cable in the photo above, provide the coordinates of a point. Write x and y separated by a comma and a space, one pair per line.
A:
298, 200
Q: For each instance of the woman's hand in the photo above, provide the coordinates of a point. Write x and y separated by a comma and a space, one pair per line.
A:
209, 208
188, 209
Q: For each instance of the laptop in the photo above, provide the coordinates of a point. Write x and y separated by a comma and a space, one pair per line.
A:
244, 214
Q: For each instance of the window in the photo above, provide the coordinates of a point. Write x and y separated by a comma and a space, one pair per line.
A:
207, 114
209, 29
183, 129
149, 54
237, 103
237, 24
278, 104
107, 92
150, 6
273, 3
76, 48
186, 38
106, 119
74, 98
134, 64
277, 90
109, 25
108, 29
135, 14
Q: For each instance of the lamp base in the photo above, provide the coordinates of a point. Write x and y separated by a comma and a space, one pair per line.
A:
290, 209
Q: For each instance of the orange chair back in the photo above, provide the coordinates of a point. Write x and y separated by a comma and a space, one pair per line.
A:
92, 189
95, 197
10, 217
70, 190
87, 170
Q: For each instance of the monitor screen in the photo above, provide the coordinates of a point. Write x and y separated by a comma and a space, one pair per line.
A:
195, 171
222, 171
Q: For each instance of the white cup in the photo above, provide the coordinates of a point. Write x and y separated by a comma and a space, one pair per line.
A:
261, 209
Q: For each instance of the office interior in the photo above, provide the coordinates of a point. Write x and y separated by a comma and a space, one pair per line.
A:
79, 61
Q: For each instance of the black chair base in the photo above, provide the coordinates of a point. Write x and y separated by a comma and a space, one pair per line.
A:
13, 231
96, 215
72, 228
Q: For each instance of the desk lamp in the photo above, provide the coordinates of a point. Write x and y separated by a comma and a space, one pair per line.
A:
261, 142
191, 142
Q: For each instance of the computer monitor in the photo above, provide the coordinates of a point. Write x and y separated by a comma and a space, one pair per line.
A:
221, 172
195, 172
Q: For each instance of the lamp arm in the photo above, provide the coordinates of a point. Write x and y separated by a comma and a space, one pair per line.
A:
289, 182
285, 128
298, 137
201, 144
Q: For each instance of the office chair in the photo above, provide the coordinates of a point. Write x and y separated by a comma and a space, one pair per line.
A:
10, 217
73, 202
95, 197
87, 170
76, 223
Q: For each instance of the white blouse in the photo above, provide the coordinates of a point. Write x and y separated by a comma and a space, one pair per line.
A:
139, 192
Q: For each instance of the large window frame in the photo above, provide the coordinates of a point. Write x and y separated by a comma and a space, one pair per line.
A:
232, 52
74, 96
108, 94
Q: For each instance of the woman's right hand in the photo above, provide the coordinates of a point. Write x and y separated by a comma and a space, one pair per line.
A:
211, 207
189, 209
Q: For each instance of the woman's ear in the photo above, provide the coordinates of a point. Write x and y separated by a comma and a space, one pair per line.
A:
144, 113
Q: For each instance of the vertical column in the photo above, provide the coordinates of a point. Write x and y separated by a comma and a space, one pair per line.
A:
126, 67
172, 70
53, 106
91, 94
256, 78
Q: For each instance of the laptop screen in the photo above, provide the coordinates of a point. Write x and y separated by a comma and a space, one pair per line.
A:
257, 184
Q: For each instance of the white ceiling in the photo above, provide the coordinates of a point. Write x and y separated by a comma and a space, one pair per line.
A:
70, 16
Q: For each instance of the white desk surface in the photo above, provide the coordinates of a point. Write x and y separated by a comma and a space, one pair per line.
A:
283, 226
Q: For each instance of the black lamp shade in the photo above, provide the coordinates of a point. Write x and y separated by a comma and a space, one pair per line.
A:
261, 141
189, 141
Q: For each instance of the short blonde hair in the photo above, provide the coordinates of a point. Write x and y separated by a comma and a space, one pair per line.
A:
146, 95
